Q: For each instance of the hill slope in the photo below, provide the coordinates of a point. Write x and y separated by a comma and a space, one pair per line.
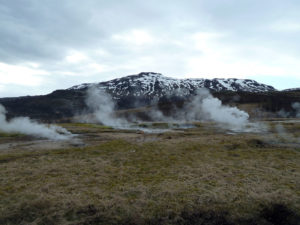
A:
155, 84
142, 89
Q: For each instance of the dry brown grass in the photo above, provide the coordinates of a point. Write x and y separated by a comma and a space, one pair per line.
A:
176, 176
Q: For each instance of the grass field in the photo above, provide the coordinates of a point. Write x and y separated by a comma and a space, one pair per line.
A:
201, 175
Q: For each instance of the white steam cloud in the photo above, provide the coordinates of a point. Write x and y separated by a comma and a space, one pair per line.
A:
202, 107
285, 135
296, 113
26, 126
296, 107
206, 107
103, 108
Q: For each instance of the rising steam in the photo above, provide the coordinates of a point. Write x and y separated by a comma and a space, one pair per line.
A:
202, 107
296, 107
206, 107
285, 135
103, 108
296, 113
26, 126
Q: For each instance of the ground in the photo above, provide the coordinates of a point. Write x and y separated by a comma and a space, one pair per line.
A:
200, 175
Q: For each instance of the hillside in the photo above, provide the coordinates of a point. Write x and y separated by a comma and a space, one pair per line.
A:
155, 84
146, 89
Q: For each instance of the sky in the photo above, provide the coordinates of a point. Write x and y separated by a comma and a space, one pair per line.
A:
55, 44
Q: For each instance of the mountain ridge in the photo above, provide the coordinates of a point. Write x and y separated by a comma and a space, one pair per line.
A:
146, 89
156, 84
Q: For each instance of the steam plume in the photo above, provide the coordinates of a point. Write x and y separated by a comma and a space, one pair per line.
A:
295, 113
26, 126
283, 133
296, 107
103, 107
206, 107
202, 107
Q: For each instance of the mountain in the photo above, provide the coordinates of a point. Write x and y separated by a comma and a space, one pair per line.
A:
140, 90
155, 84
291, 89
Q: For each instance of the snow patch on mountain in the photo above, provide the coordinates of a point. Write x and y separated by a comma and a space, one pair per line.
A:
155, 84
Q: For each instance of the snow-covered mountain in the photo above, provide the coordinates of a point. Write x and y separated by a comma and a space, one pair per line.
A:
155, 84
144, 89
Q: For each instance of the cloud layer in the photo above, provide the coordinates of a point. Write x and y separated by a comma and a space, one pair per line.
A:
51, 44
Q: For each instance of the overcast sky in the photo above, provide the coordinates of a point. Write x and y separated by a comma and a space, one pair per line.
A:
53, 44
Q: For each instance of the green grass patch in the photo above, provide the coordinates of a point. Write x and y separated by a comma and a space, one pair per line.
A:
10, 135
86, 125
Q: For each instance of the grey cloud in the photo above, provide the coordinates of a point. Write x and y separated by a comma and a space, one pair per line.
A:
45, 31
35, 30
249, 22
39, 30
